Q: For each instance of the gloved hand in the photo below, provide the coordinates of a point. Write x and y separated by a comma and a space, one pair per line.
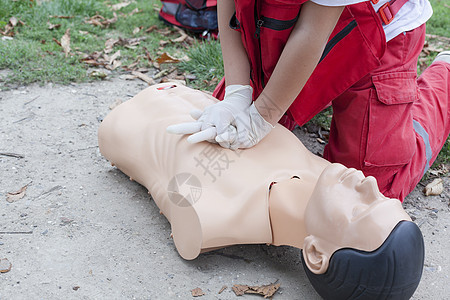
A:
247, 130
216, 118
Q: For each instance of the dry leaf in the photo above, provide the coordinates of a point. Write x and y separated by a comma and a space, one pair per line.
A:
264, 290
119, 6
98, 74
151, 28
137, 29
436, 187
134, 11
222, 289
442, 170
166, 58
133, 64
83, 32
128, 77
239, 289
197, 292
13, 21
164, 31
16, 196
53, 26
183, 36
5, 265
114, 57
65, 42
101, 21
116, 64
143, 77
56, 41
62, 17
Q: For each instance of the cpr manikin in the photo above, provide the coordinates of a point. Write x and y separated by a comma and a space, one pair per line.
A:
276, 192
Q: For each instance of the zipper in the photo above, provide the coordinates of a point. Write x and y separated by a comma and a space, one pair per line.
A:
259, 24
337, 38
274, 24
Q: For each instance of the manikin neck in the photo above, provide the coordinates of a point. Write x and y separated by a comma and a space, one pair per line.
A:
287, 204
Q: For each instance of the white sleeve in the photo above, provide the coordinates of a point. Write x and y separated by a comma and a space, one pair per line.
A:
336, 2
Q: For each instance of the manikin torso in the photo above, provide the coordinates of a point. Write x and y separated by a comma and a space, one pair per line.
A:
215, 197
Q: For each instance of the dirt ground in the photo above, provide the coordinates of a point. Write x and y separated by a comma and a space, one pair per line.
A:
83, 230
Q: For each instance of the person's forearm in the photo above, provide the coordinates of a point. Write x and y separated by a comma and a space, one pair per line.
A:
298, 60
236, 64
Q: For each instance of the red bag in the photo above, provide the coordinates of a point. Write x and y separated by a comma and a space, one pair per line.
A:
199, 16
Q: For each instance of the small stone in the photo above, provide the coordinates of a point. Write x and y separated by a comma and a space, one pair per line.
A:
5, 265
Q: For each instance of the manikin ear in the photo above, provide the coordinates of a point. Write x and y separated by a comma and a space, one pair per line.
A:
315, 254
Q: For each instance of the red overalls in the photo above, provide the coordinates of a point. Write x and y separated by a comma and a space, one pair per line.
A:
372, 85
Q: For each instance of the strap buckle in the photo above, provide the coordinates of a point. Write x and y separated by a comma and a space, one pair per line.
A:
385, 13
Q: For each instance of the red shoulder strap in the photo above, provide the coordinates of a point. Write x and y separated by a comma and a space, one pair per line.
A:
388, 11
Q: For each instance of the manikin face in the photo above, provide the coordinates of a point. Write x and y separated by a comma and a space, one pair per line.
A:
346, 209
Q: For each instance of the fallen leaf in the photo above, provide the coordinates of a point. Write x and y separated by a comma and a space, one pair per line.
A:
13, 21
151, 28
222, 289
436, 187
163, 73
119, 6
134, 11
164, 31
15, 196
128, 77
240, 289
114, 57
133, 64
65, 42
53, 26
143, 77
264, 290
321, 141
101, 21
116, 64
441, 170
162, 43
5, 265
137, 29
166, 58
98, 74
83, 32
62, 17
197, 292
56, 41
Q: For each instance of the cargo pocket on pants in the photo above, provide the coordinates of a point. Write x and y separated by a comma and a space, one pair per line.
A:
391, 140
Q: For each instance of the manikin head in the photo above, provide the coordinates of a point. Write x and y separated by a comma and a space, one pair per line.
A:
360, 243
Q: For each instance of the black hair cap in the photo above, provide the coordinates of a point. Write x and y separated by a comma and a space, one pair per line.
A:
392, 271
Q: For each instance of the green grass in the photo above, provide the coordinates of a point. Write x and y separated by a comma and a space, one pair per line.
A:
205, 64
33, 56
439, 24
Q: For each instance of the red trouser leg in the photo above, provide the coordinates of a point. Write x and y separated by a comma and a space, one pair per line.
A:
376, 125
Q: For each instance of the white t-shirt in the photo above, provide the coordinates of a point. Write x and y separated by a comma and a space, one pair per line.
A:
410, 16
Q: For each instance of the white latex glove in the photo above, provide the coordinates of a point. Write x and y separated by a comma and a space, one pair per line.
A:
247, 130
216, 118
